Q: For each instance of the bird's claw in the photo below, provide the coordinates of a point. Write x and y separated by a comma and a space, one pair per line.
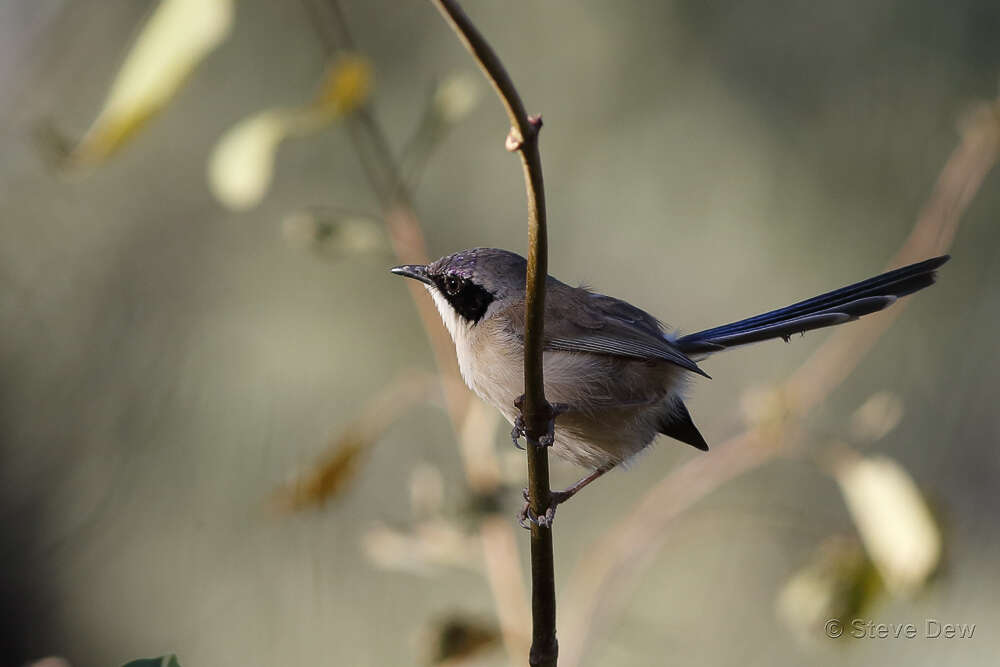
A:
517, 432
526, 517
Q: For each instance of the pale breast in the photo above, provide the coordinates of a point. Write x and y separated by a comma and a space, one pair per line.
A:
492, 364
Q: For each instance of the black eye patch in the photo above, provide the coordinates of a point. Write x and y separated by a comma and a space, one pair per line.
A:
467, 298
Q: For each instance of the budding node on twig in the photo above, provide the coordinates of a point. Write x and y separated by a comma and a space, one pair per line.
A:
515, 139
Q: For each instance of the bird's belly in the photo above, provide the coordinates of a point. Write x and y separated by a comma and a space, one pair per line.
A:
603, 440
601, 427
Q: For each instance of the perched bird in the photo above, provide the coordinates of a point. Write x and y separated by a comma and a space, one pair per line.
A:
617, 375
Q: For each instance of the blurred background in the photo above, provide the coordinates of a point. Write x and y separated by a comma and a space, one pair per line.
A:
194, 314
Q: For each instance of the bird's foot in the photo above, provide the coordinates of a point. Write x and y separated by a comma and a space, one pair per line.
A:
526, 517
548, 438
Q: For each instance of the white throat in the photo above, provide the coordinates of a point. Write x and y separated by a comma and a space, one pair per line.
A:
458, 326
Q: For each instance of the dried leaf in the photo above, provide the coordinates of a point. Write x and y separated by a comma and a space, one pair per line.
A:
459, 637
329, 478
176, 37
333, 473
893, 519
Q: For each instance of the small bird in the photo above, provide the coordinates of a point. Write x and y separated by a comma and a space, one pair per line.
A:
617, 377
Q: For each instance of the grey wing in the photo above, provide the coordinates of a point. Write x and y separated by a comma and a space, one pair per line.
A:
612, 327
626, 313
625, 346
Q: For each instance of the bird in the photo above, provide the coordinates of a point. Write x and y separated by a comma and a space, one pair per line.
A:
615, 375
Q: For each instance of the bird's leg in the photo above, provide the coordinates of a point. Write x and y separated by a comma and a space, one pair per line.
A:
557, 498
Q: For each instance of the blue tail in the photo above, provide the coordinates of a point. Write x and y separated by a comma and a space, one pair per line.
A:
836, 307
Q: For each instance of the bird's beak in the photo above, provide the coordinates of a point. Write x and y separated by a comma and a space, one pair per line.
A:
415, 271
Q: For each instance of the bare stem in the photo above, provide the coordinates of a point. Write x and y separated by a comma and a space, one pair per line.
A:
537, 413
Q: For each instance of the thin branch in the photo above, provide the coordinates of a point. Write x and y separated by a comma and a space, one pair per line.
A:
536, 411
612, 567
405, 232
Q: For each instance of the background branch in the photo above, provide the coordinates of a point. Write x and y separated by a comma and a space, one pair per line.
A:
536, 411
481, 464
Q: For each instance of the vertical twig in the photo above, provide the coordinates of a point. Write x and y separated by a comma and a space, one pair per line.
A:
536, 411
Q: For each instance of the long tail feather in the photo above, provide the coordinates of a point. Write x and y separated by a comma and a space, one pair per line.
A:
836, 307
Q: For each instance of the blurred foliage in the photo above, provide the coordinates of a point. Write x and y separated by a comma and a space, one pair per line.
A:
333, 232
894, 520
341, 464
162, 661
453, 639
876, 417
839, 582
241, 167
755, 120
178, 35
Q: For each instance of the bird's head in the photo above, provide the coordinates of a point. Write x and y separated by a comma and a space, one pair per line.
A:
469, 286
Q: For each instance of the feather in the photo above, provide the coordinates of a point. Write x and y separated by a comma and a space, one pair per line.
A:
679, 426
625, 346
832, 308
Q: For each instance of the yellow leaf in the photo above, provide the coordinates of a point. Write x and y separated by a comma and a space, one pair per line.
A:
347, 85
177, 36
895, 524
241, 166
